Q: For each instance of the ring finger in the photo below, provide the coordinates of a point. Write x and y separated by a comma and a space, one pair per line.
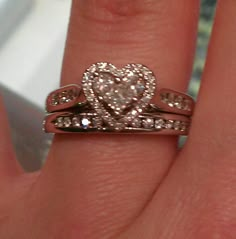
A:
117, 174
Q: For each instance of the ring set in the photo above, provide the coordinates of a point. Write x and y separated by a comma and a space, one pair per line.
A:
116, 100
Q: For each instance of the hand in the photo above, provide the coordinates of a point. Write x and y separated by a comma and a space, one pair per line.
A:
135, 186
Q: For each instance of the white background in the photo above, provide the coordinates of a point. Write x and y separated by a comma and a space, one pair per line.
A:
30, 58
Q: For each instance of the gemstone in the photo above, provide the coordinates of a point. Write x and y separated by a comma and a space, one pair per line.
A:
76, 121
118, 93
71, 95
85, 122
92, 68
134, 113
67, 122
178, 102
54, 100
177, 125
159, 123
146, 99
62, 94
63, 100
164, 97
169, 124
184, 126
60, 122
119, 126
97, 122
170, 100
186, 105
148, 123
102, 64
136, 123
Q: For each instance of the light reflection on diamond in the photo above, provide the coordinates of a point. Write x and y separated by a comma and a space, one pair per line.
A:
148, 123
136, 123
177, 125
178, 102
85, 122
159, 123
76, 121
118, 94
67, 122
169, 124
60, 122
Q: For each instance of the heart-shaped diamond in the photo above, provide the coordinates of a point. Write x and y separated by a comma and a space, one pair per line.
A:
118, 95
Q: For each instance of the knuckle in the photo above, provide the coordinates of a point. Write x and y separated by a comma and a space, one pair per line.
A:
116, 10
117, 22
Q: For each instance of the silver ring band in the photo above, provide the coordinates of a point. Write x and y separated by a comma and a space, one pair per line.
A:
156, 123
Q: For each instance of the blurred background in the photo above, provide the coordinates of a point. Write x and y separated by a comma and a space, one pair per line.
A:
32, 38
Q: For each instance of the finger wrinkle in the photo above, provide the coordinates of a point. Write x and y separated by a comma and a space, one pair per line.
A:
119, 9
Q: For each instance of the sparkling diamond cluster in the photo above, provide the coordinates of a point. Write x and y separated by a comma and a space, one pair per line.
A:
176, 100
78, 121
159, 124
142, 122
63, 97
118, 95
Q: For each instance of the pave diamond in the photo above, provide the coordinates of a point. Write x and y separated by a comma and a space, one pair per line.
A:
63, 97
171, 99
169, 124
136, 123
67, 122
54, 100
184, 126
177, 125
118, 93
148, 123
76, 121
59, 122
186, 105
164, 97
159, 123
178, 102
85, 122
97, 122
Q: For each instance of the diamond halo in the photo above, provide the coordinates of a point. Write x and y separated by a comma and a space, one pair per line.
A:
118, 95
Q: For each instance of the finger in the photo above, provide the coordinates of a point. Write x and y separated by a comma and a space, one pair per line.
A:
203, 178
9, 167
214, 130
112, 177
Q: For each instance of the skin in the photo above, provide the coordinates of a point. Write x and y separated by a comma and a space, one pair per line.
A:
135, 186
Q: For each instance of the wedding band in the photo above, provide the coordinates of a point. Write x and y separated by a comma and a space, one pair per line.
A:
118, 98
159, 123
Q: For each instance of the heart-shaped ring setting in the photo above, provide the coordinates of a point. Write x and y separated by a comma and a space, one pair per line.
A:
118, 95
